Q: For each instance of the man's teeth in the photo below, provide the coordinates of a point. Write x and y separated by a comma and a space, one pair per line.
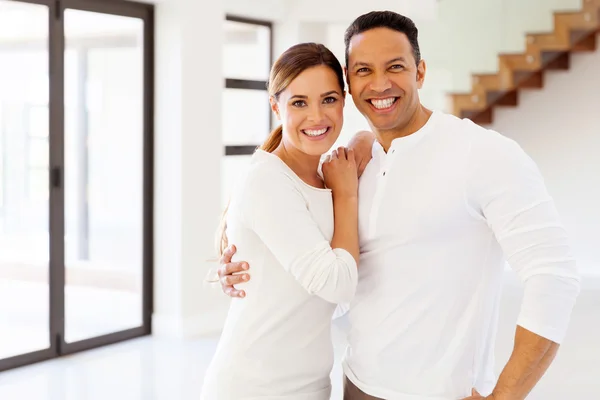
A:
384, 103
311, 132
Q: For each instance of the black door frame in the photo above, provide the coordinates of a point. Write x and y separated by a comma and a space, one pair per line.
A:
56, 46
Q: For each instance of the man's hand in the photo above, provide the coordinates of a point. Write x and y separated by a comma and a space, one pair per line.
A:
362, 144
476, 396
229, 273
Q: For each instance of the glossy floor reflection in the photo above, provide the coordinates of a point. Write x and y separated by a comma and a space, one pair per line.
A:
159, 369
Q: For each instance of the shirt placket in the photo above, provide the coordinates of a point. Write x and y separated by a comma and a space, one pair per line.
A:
380, 189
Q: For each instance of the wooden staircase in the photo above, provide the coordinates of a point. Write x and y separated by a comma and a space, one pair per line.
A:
573, 32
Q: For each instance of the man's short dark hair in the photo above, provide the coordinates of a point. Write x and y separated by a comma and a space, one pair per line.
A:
385, 19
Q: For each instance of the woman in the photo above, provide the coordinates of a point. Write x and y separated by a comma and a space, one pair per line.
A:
300, 234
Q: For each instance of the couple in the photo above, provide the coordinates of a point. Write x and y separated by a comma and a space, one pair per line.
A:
417, 246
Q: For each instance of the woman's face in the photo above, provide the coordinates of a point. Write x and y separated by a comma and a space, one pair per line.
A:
311, 111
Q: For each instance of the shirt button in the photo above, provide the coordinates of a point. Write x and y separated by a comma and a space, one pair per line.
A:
384, 174
393, 151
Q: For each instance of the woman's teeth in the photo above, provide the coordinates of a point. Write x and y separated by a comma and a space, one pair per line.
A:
383, 103
311, 132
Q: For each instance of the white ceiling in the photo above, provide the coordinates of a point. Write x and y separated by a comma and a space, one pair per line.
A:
322, 10
18, 20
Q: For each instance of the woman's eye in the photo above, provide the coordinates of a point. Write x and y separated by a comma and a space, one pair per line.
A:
329, 100
299, 103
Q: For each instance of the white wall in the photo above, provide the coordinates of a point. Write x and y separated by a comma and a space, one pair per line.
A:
188, 149
323, 11
559, 126
345, 11
269, 10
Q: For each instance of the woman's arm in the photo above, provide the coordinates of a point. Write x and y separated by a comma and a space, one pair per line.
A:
277, 212
339, 171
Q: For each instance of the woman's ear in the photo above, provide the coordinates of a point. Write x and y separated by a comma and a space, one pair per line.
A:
274, 107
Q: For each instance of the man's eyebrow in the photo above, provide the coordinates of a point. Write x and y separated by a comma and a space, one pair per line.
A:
366, 64
402, 59
360, 64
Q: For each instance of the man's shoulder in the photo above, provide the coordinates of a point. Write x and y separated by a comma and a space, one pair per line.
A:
475, 134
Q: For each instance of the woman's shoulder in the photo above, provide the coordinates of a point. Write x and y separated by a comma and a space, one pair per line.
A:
267, 169
266, 175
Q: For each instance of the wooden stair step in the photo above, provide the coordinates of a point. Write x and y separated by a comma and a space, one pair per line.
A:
482, 117
502, 98
583, 41
528, 79
469, 101
521, 61
582, 20
556, 60
546, 41
486, 82
591, 5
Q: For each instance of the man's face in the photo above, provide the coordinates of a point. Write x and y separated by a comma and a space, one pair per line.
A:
383, 77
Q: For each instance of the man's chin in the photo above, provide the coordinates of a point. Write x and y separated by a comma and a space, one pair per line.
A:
384, 126
382, 122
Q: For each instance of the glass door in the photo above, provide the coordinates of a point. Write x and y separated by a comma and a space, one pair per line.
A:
24, 183
104, 173
75, 176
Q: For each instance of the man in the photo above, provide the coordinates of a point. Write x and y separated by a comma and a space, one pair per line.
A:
443, 203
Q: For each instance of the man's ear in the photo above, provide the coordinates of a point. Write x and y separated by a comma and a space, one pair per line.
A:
421, 70
275, 107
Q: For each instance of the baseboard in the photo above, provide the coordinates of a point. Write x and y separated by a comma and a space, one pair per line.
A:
174, 327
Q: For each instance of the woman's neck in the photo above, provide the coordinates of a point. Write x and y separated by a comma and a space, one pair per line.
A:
303, 165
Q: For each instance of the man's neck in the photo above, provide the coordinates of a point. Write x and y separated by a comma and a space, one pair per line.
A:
416, 122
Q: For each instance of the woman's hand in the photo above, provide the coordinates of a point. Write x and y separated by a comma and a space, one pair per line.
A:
340, 173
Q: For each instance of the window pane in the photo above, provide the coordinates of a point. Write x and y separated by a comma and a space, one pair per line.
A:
104, 173
247, 51
1, 165
37, 121
24, 251
38, 184
38, 153
232, 168
246, 116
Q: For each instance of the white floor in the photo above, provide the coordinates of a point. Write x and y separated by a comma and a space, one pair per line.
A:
24, 314
159, 369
